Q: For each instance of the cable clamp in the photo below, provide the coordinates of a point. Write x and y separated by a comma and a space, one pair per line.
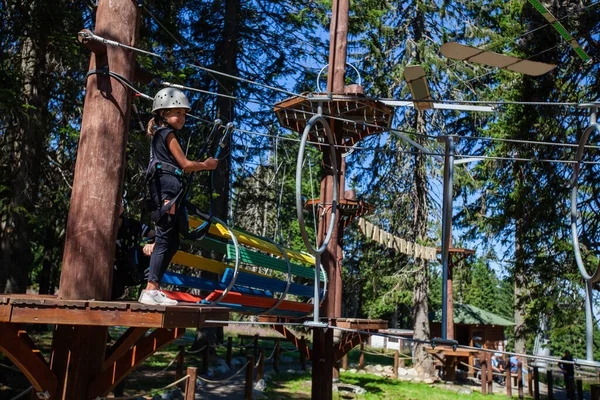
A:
43, 395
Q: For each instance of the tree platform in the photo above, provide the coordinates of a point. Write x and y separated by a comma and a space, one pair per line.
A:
80, 329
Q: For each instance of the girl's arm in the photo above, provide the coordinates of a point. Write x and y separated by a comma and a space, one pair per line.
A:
187, 165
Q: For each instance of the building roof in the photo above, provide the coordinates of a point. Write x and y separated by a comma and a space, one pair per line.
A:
471, 315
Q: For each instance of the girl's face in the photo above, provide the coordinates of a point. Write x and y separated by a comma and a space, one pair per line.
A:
175, 117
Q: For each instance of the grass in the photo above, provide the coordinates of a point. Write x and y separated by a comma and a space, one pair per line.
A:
287, 386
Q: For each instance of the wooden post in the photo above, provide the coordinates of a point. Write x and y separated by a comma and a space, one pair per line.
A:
529, 382
302, 345
595, 392
260, 371
396, 362
508, 379
229, 349
361, 357
536, 383
78, 351
190, 384
255, 344
249, 378
490, 377
322, 373
520, 379
401, 346
579, 389
180, 362
205, 358
484, 367
449, 301
550, 384
276, 355
345, 362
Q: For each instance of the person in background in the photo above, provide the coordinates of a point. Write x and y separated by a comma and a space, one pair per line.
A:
498, 368
568, 370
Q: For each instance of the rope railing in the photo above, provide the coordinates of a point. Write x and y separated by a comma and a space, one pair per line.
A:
226, 379
197, 351
162, 389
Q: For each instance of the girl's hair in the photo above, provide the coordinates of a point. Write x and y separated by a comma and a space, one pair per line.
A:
154, 123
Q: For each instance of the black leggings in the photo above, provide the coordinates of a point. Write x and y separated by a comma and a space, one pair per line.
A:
165, 247
167, 228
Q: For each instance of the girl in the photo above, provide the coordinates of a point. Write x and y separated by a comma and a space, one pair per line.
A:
164, 176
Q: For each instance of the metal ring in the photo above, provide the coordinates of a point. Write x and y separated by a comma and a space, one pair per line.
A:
299, 204
595, 277
326, 65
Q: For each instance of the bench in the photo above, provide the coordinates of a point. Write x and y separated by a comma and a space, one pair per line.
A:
284, 290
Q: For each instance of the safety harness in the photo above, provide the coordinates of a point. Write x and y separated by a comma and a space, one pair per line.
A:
186, 208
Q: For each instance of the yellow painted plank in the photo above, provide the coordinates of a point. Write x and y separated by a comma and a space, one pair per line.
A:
204, 264
253, 241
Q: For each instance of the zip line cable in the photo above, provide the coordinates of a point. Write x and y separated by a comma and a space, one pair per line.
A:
91, 36
423, 150
426, 152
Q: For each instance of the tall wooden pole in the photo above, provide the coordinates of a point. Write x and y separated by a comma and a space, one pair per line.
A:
322, 374
78, 351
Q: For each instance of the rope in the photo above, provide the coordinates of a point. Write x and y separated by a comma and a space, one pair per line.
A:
147, 393
196, 351
22, 394
272, 353
156, 373
226, 379
260, 357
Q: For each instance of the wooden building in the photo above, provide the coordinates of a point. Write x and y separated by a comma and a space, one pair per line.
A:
474, 327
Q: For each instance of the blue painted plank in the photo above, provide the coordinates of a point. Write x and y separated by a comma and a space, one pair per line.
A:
172, 278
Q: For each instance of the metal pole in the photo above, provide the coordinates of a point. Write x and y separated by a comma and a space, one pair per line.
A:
589, 317
589, 322
446, 226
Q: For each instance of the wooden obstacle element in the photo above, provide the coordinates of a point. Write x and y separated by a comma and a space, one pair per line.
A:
461, 52
371, 116
76, 317
247, 291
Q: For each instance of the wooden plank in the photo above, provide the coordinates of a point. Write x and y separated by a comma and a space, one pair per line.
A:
86, 317
252, 241
27, 359
417, 83
461, 52
123, 344
106, 380
348, 341
5, 311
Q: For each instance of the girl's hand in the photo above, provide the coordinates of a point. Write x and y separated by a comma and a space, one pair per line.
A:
148, 249
210, 163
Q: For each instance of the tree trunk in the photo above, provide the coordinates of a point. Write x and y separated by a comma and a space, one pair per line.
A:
423, 362
30, 134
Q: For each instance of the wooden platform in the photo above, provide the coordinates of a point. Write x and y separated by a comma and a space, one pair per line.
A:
363, 116
40, 309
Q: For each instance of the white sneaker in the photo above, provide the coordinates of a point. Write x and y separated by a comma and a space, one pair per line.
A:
156, 298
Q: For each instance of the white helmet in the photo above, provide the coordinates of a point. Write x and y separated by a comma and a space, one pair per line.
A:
170, 98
